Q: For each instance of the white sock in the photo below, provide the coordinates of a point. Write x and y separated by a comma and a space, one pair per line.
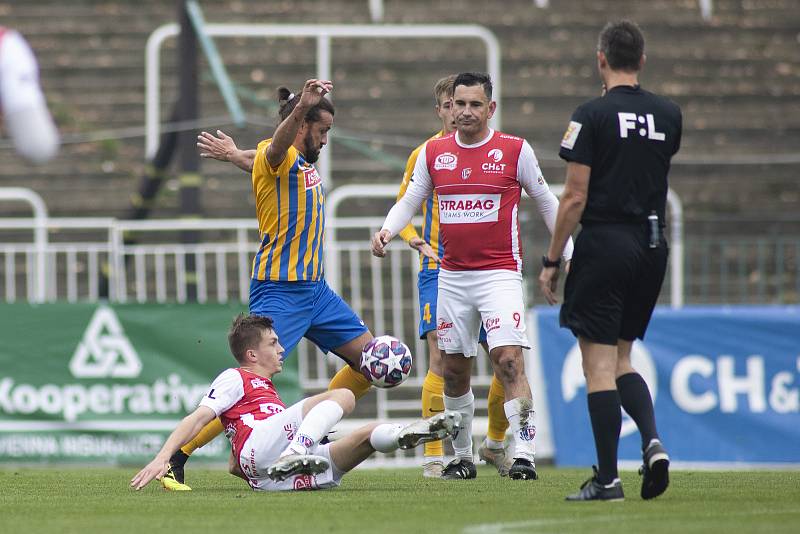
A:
384, 437
316, 424
465, 405
519, 413
492, 444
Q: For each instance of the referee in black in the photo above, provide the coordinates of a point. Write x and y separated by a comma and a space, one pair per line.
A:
618, 149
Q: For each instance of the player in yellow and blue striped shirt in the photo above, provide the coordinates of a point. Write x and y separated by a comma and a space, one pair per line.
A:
431, 252
287, 282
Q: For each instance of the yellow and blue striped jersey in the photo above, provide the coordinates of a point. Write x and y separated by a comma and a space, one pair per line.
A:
291, 218
430, 214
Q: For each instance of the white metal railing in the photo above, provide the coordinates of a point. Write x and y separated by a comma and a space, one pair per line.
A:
37, 274
323, 33
371, 224
153, 266
89, 259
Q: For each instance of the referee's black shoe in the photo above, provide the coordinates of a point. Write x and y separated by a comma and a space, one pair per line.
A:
654, 470
522, 469
594, 490
459, 469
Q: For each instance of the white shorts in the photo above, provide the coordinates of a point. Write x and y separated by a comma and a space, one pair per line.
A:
468, 298
269, 439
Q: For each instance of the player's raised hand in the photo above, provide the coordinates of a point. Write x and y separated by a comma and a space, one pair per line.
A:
155, 469
379, 242
313, 91
419, 244
220, 147
548, 279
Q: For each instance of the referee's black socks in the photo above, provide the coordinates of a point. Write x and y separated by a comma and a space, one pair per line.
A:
606, 416
635, 397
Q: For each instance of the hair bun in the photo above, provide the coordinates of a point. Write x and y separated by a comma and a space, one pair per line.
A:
284, 94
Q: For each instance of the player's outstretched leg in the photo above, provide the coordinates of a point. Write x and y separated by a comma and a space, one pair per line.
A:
431, 429
353, 449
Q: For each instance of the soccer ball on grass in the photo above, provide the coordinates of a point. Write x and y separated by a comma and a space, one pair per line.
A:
386, 361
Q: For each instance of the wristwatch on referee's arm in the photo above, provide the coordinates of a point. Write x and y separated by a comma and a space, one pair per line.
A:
547, 262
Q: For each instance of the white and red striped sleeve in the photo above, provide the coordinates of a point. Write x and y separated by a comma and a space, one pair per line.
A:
225, 391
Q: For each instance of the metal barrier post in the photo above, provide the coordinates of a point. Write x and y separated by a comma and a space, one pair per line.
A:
40, 217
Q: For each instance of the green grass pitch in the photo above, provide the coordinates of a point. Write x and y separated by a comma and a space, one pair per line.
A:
92, 500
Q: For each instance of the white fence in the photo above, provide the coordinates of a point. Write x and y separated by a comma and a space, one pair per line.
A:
91, 259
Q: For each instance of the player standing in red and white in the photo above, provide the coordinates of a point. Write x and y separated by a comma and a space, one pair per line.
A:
478, 175
22, 104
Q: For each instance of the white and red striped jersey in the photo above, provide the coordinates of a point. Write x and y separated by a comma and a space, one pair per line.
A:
239, 398
479, 188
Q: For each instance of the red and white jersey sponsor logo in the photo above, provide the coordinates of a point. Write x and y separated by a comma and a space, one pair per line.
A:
312, 177
259, 383
456, 209
443, 330
260, 401
443, 326
446, 160
489, 198
492, 323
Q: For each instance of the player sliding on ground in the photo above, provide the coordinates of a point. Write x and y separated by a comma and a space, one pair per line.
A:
275, 448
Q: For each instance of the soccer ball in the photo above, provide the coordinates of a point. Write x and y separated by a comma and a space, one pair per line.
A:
385, 361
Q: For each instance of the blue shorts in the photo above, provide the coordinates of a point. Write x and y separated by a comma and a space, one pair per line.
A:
305, 309
428, 284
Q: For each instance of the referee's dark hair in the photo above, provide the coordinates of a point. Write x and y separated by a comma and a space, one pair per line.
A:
471, 79
622, 43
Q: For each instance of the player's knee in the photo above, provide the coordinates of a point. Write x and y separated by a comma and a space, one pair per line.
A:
455, 382
509, 366
344, 398
599, 368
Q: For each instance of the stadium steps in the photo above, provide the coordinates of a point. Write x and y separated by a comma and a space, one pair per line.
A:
92, 60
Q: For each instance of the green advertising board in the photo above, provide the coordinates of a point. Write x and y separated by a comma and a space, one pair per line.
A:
89, 383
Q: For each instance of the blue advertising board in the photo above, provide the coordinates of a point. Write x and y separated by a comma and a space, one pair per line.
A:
725, 382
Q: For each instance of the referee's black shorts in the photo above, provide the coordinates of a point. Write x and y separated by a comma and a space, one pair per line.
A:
613, 283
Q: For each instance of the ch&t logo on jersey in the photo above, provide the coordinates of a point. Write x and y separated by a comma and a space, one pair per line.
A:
494, 167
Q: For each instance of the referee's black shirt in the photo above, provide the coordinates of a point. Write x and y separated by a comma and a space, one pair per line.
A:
627, 137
